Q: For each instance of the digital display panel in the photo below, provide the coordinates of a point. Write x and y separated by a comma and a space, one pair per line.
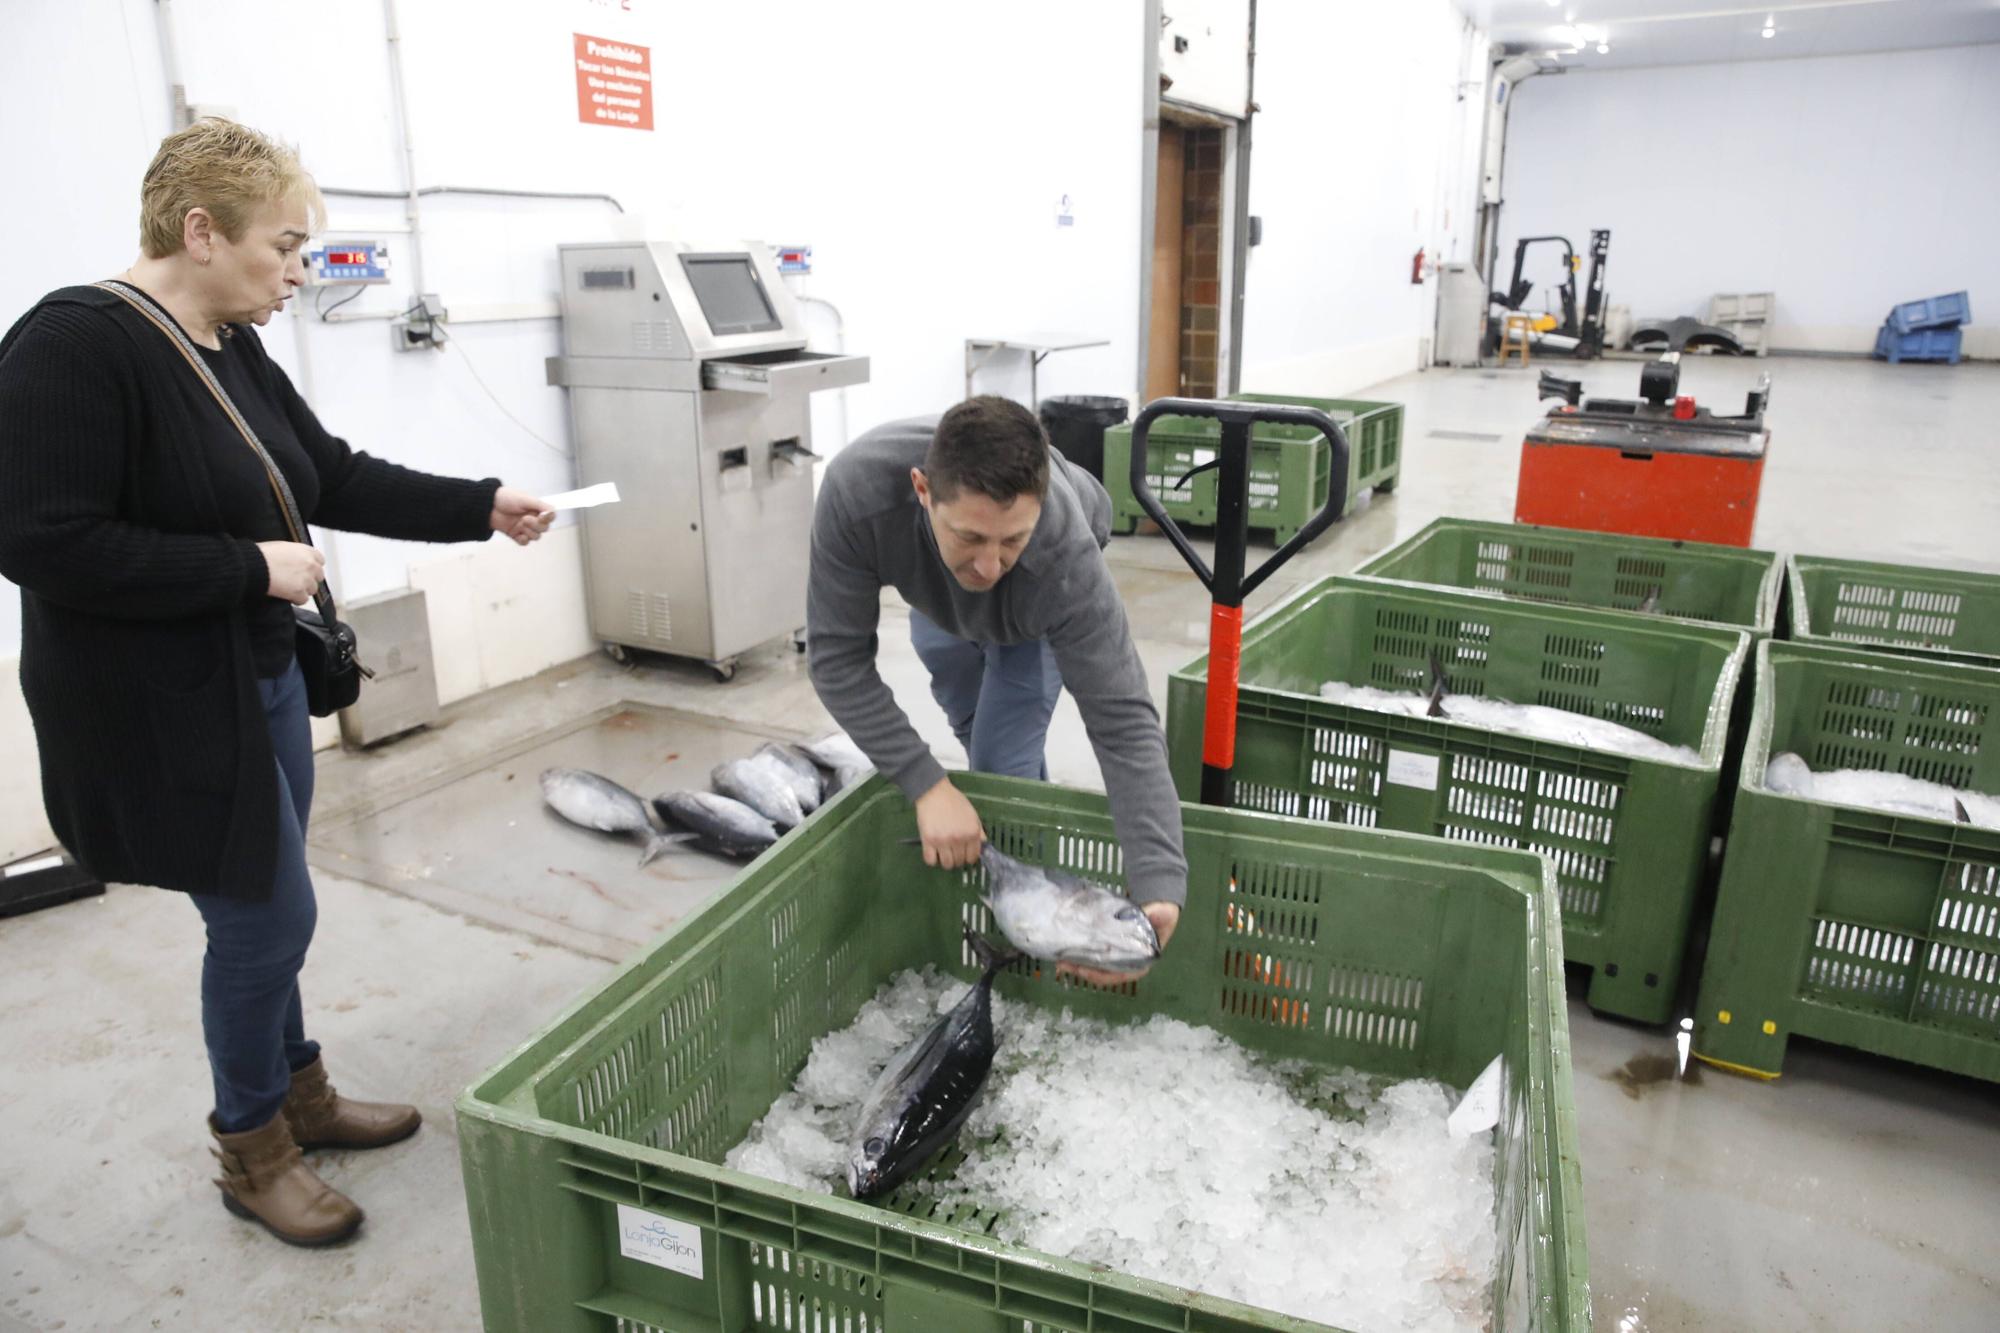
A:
732, 300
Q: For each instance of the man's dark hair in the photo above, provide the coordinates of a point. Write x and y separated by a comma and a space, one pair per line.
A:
991, 445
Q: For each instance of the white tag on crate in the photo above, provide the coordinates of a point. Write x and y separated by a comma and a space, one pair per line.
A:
1479, 1110
659, 1241
1407, 768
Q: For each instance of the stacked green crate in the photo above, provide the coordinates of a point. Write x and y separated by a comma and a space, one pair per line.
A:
1875, 930
1396, 955
1290, 466
1723, 585
1628, 836
1947, 613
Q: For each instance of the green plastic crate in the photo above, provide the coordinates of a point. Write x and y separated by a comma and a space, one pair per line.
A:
1948, 613
1723, 585
1411, 958
1289, 465
1628, 837
1856, 926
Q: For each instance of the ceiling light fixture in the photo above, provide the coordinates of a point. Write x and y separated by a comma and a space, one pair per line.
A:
1604, 48
1770, 25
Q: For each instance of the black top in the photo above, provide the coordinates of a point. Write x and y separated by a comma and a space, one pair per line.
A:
129, 516
250, 508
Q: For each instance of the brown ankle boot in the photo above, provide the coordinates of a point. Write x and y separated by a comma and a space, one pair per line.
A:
264, 1179
322, 1118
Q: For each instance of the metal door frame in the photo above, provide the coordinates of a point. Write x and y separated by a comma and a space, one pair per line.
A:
1232, 275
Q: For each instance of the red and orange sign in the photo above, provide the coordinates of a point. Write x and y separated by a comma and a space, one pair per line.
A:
614, 83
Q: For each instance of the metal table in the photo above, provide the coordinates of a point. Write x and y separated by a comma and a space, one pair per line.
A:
1038, 347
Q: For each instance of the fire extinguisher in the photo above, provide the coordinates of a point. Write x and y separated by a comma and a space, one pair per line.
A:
1417, 270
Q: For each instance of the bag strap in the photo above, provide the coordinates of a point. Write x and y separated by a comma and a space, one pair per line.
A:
288, 506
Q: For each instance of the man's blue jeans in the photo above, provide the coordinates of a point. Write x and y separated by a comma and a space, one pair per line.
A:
998, 697
250, 1012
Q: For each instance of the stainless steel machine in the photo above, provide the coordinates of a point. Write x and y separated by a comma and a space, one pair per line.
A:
689, 387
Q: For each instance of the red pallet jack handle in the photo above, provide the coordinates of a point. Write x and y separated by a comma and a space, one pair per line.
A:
1226, 583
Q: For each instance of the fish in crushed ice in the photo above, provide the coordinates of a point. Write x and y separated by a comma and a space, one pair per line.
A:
764, 786
717, 823
1891, 793
593, 801
924, 1095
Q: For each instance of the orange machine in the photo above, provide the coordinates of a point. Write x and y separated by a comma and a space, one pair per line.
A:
1657, 466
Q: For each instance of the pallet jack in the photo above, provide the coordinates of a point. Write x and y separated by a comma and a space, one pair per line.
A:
1227, 584
1655, 466
1582, 338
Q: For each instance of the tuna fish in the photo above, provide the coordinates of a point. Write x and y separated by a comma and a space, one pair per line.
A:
1437, 689
923, 1097
764, 786
717, 823
1058, 917
596, 802
841, 758
797, 770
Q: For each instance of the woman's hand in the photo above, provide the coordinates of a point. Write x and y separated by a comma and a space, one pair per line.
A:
296, 570
520, 515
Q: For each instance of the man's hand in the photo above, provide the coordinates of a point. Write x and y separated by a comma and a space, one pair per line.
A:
1164, 916
520, 515
949, 826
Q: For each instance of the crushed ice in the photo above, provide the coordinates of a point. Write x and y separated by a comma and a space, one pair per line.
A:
1537, 721
1894, 793
1168, 1151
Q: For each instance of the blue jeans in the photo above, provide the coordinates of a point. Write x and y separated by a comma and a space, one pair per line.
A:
250, 1014
998, 697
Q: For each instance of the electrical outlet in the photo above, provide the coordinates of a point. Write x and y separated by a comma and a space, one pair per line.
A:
416, 329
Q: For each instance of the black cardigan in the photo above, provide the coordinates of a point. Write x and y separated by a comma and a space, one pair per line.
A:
156, 758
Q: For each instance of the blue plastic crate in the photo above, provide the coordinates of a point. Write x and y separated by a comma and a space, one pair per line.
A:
1937, 312
1922, 345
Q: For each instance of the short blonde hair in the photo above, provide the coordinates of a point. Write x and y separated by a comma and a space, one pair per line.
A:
229, 169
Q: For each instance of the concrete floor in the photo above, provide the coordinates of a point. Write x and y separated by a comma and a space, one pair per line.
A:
1855, 1193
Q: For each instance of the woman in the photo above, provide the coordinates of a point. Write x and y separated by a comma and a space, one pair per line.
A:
157, 585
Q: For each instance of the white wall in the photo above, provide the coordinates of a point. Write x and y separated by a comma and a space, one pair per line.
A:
920, 148
1365, 150
1844, 185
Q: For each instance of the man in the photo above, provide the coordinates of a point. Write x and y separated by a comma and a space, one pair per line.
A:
997, 543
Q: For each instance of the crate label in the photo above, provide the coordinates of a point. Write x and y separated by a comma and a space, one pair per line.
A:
1407, 768
659, 1241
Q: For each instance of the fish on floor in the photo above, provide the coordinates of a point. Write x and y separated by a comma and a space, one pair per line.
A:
922, 1098
763, 785
717, 823
841, 758
798, 772
592, 801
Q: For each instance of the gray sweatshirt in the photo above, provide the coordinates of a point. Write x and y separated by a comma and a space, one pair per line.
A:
869, 531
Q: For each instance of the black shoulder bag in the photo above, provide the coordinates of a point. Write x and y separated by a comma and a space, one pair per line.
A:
326, 647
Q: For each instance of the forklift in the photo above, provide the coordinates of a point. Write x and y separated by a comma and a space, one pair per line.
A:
1583, 338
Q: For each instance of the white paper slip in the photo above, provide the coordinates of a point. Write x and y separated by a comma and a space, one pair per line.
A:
657, 1240
1407, 768
1479, 1110
603, 493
